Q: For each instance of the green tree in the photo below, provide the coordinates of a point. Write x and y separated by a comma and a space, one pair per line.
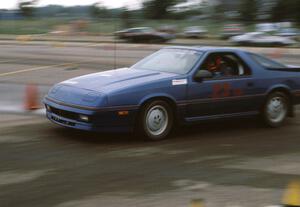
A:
219, 10
158, 9
125, 16
97, 10
280, 11
248, 10
27, 7
286, 10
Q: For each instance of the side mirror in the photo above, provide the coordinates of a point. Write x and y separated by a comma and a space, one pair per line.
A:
202, 74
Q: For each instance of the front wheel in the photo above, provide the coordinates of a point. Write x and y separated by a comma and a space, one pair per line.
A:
275, 109
156, 120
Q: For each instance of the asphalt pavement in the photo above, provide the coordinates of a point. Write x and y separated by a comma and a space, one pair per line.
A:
231, 163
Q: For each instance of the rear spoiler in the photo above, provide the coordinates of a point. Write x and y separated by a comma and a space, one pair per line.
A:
291, 69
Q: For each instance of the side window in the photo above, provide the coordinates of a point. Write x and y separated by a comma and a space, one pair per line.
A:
225, 65
265, 62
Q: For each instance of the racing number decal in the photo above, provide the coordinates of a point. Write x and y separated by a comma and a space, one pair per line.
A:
221, 90
226, 89
238, 92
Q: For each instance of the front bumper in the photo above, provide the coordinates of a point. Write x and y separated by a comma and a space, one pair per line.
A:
101, 120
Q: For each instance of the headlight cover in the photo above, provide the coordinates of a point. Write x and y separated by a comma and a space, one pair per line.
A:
54, 89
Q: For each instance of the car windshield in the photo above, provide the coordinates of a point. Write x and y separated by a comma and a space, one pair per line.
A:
146, 30
179, 61
288, 30
140, 30
255, 35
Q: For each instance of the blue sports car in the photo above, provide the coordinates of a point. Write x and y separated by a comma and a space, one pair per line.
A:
177, 85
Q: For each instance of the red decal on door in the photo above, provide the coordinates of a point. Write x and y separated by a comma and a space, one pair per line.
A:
217, 91
237, 92
226, 89
221, 90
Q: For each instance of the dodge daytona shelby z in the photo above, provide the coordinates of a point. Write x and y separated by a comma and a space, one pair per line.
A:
177, 85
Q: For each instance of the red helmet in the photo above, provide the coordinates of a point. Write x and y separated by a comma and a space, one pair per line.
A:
214, 64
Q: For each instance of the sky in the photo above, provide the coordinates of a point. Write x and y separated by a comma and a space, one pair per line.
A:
12, 4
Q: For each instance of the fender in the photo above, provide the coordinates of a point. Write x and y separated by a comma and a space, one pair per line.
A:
279, 86
180, 110
157, 95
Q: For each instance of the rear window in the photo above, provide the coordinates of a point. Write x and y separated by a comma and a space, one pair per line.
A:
266, 62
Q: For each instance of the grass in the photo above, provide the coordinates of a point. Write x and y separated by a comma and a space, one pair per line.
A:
106, 26
40, 26
34, 26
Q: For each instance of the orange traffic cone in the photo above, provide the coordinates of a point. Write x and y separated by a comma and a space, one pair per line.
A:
31, 97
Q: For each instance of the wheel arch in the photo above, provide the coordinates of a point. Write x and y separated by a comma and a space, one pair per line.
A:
280, 88
164, 97
147, 100
287, 91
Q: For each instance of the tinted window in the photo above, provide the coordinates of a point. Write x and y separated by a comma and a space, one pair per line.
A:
266, 62
178, 61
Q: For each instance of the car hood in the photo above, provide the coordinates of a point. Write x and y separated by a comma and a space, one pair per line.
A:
116, 79
92, 90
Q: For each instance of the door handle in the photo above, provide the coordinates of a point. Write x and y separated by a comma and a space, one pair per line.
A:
250, 84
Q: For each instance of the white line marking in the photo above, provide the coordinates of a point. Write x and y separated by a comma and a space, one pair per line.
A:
20, 110
12, 177
44, 67
7, 61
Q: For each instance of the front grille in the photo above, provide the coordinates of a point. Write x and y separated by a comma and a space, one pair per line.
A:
64, 114
62, 121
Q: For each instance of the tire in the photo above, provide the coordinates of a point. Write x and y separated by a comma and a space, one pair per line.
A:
275, 109
156, 120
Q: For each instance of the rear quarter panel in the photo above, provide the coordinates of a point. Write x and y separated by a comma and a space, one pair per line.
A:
267, 81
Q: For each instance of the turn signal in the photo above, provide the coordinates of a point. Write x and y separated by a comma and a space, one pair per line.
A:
123, 113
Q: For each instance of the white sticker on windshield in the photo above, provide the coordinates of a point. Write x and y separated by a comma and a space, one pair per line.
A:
179, 82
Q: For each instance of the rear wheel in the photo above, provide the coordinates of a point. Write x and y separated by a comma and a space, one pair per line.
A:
156, 120
276, 109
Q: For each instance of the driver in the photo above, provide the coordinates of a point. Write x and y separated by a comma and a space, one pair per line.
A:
218, 67
214, 65
225, 68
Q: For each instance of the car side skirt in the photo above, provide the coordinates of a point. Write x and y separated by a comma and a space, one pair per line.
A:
220, 116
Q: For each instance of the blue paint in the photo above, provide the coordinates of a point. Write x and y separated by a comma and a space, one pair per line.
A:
102, 95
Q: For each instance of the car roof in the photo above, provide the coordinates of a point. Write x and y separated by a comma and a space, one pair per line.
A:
206, 48
137, 28
254, 33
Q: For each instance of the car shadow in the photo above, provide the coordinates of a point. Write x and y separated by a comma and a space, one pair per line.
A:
211, 129
94, 137
221, 125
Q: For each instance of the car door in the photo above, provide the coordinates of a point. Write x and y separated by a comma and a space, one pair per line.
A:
222, 94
